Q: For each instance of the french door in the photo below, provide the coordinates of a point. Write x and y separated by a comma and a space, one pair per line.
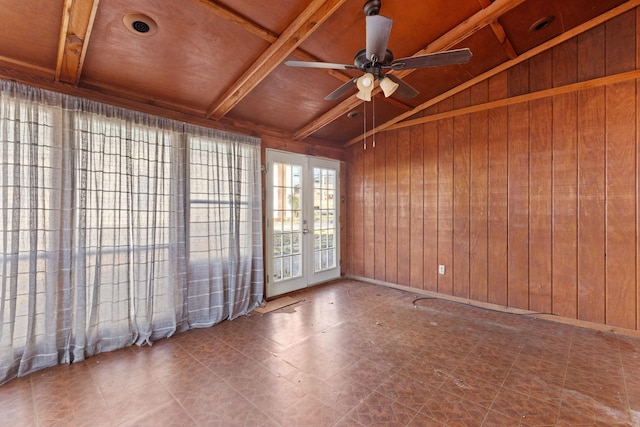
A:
302, 224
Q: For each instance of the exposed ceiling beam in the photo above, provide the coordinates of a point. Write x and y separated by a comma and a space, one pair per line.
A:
568, 35
519, 99
271, 37
266, 35
462, 31
233, 16
75, 31
501, 35
301, 28
467, 28
339, 110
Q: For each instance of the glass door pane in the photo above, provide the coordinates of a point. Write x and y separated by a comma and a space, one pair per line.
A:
324, 263
324, 217
287, 230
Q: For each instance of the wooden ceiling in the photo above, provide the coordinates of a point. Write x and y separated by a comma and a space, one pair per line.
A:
221, 62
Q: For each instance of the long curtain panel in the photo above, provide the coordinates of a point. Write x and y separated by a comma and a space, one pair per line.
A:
118, 228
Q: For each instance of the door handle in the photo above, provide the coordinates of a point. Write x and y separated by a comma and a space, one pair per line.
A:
305, 230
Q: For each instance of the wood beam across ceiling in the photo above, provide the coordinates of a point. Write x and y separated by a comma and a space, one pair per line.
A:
232, 16
270, 37
301, 28
75, 31
500, 34
456, 35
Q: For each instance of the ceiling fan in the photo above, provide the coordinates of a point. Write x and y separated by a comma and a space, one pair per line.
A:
376, 61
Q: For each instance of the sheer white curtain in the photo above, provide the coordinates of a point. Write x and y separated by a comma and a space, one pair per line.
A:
118, 227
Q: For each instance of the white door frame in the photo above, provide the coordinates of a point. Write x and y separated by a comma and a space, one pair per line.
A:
309, 277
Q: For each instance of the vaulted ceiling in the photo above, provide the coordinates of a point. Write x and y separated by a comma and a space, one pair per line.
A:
222, 61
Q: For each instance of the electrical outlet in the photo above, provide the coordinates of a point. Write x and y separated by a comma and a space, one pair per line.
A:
441, 269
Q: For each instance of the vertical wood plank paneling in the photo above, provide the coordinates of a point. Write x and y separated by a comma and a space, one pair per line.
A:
540, 203
565, 67
391, 199
621, 205
431, 148
565, 177
540, 189
357, 174
620, 43
478, 227
518, 206
591, 179
497, 268
369, 211
534, 205
591, 54
637, 172
404, 207
518, 190
591, 206
380, 207
445, 200
518, 79
541, 72
565, 205
461, 197
349, 209
417, 207
621, 173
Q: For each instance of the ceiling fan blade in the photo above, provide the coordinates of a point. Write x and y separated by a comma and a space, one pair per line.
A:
378, 32
449, 57
329, 65
404, 89
341, 90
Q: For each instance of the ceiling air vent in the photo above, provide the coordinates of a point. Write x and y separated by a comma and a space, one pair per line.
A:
140, 24
541, 23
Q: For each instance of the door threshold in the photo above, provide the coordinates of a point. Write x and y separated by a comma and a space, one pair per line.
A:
276, 304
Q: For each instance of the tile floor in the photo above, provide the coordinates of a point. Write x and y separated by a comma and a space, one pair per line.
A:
348, 354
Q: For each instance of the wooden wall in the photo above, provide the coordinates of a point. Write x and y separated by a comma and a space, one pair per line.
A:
532, 205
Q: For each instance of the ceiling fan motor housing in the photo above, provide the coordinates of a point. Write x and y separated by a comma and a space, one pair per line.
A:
372, 7
375, 60
362, 63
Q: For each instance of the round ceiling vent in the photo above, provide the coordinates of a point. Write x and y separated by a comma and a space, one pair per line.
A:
541, 23
354, 114
140, 24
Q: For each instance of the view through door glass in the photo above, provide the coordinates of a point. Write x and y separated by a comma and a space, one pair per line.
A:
287, 230
302, 224
324, 219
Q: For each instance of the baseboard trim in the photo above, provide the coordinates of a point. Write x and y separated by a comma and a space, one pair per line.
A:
505, 309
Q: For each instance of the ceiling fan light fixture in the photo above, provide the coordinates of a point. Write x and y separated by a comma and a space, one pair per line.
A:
365, 87
388, 86
375, 59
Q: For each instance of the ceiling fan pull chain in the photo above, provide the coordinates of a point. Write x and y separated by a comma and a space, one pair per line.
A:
364, 120
373, 121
